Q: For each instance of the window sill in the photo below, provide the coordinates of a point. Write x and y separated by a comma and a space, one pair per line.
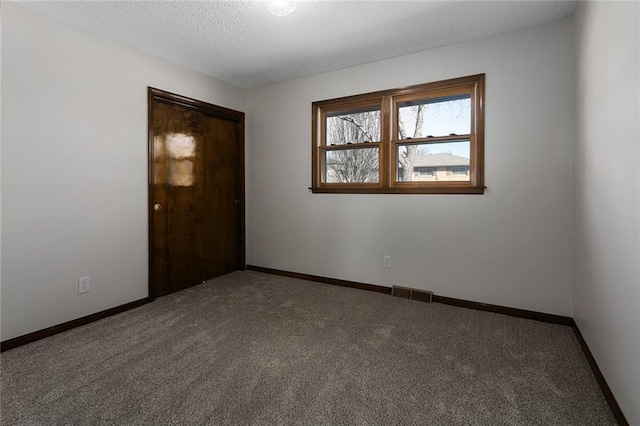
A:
399, 190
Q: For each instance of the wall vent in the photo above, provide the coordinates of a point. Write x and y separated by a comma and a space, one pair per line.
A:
412, 293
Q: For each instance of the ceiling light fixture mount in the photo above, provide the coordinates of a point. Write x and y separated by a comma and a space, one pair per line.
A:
282, 8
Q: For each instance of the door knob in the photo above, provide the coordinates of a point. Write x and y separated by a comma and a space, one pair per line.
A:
157, 207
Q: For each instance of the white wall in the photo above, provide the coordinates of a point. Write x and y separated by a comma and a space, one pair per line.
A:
607, 187
1, 10
74, 167
510, 246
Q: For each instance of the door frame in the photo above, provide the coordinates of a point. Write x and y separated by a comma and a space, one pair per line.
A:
163, 96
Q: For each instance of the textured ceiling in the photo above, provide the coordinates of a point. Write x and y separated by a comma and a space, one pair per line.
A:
242, 43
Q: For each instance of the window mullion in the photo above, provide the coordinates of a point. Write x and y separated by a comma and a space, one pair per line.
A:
385, 149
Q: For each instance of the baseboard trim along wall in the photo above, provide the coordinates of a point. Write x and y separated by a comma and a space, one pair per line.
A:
497, 309
50, 331
333, 281
520, 313
611, 399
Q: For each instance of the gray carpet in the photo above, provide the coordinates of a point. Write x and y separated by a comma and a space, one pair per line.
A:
251, 348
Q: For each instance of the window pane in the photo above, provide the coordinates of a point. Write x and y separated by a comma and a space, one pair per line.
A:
448, 161
434, 117
350, 165
353, 126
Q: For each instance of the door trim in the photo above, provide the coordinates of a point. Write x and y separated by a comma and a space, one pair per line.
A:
158, 95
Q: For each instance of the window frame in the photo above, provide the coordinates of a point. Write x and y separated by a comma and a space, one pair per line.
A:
388, 101
350, 105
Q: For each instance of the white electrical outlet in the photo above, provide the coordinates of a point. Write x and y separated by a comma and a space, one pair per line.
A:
84, 285
386, 261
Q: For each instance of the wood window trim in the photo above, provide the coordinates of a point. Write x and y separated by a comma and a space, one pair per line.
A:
388, 101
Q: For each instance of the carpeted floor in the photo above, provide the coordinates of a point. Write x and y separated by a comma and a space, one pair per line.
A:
251, 348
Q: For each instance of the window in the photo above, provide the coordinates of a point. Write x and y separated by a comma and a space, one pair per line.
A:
459, 170
421, 139
425, 171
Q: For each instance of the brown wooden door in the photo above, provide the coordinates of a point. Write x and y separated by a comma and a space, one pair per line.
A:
196, 192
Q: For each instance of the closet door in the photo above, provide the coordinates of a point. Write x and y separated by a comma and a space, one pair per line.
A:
196, 192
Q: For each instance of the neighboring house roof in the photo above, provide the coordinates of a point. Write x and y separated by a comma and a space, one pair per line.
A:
441, 159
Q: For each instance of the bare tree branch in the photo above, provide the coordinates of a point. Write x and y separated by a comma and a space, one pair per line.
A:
408, 157
362, 129
417, 133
